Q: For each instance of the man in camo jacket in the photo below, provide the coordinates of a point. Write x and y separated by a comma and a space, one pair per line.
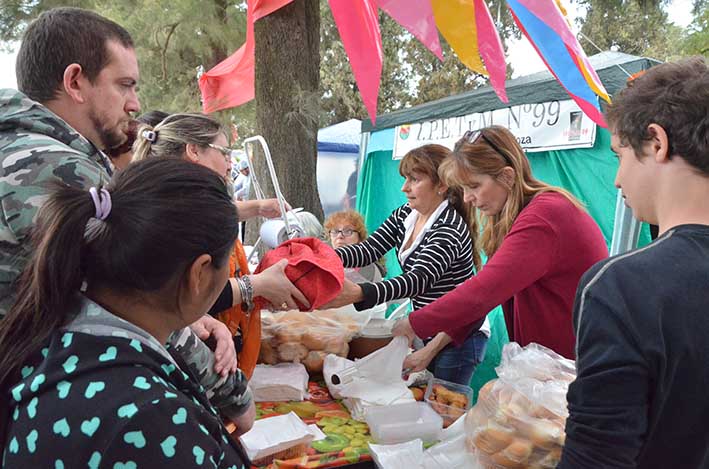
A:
78, 74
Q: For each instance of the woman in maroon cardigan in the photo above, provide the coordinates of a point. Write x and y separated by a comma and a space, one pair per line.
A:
539, 241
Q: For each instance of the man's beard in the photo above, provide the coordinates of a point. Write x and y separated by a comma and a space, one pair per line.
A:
110, 138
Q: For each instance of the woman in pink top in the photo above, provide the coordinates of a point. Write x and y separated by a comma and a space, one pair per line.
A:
539, 241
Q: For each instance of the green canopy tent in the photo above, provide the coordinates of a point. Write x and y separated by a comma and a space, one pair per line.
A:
587, 172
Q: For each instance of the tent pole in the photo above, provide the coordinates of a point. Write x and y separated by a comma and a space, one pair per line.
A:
363, 144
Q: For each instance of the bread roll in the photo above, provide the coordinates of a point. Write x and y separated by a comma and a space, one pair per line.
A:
501, 460
336, 345
267, 354
546, 434
505, 393
485, 392
549, 460
288, 333
314, 340
292, 352
539, 411
493, 438
519, 450
314, 361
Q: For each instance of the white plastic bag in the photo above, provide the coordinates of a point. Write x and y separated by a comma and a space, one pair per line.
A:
375, 380
519, 418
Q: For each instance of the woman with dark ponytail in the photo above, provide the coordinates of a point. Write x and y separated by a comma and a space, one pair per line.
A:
115, 270
434, 238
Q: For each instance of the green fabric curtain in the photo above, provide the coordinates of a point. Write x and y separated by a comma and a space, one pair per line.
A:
589, 174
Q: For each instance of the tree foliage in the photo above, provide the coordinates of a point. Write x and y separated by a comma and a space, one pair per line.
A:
411, 74
173, 40
697, 39
638, 27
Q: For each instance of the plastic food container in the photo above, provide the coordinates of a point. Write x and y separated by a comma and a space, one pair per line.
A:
449, 400
403, 422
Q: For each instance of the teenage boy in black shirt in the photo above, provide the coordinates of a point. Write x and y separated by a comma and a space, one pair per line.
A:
641, 398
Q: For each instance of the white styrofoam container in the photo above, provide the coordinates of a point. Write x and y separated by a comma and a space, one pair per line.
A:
403, 422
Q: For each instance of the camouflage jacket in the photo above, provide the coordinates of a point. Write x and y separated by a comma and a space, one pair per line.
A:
36, 146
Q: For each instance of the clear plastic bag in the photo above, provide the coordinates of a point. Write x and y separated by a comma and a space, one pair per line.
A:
305, 337
519, 419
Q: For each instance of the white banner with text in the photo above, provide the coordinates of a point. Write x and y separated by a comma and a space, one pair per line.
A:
554, 125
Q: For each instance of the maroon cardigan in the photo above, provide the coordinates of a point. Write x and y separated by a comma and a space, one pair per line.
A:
534, 275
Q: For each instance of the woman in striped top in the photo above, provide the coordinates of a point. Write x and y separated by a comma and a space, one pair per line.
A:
431, 235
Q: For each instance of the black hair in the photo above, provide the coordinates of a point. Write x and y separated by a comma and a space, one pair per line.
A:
152, 118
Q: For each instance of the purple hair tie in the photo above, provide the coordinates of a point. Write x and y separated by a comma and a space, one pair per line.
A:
102, 202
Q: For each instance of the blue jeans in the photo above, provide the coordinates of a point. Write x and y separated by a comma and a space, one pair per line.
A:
457, 364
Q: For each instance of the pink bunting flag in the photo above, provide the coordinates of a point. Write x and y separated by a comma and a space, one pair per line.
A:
491, 50
416, 16
358, 24
230, 83
548, 12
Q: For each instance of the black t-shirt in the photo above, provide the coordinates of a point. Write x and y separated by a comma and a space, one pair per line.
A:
642, 323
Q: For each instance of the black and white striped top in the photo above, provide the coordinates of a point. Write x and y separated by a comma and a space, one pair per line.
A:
442, 261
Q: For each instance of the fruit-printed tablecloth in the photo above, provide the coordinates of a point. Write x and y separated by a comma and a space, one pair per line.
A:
346, 441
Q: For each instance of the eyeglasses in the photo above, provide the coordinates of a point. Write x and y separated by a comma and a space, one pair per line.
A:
472, 136
226, 152
345, 233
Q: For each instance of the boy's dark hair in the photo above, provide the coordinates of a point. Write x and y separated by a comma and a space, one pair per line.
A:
59, 38
674, 95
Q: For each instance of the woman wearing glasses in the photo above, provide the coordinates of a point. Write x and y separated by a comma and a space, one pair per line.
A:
539, 241
433, 237
347, 227
202, 140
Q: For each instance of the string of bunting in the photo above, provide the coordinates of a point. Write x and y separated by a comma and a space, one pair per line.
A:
466, 25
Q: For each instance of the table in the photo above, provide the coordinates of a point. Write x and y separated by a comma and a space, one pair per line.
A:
346, 445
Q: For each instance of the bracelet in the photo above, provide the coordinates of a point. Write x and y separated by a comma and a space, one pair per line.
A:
247, 293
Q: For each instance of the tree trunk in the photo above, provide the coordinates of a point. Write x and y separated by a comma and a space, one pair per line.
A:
287, 103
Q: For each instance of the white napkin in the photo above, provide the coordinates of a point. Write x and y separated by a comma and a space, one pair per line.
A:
274, 434
281, 382
449, 453
401, 456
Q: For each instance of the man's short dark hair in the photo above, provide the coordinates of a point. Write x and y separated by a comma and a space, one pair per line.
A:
674, 95
59, 38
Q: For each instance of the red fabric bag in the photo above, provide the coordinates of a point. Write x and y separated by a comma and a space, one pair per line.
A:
313, 267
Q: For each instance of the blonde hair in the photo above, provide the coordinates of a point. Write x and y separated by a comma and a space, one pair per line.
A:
496, 149
350, 217
428, 160
170, 137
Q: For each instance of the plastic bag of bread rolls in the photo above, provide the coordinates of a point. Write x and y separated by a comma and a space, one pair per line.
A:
518, 421
305, 337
